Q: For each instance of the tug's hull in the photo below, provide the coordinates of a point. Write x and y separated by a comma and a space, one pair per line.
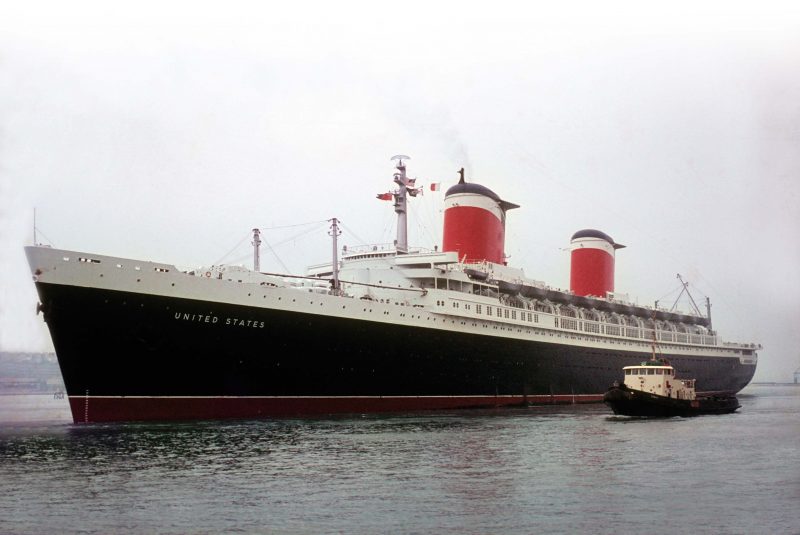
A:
629, 402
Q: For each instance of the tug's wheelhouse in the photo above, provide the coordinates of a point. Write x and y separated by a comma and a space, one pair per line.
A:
658, 377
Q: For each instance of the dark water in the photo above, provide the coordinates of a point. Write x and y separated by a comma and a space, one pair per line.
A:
572, 469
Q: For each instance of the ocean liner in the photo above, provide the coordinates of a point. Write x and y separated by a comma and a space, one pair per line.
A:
374, 329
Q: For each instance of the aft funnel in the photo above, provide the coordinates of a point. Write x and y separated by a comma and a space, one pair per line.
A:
592, 263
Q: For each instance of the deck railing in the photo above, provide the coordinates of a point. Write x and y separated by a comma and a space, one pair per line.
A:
506, 313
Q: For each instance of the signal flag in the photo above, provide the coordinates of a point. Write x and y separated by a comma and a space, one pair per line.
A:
436, 186
384, 196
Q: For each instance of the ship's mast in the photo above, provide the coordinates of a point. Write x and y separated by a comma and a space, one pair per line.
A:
256, 253
335, 233
694, 305
688, 293
401, 204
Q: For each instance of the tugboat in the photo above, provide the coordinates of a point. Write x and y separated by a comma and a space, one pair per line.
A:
651, 389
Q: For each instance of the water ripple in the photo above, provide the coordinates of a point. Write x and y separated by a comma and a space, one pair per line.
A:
539, 469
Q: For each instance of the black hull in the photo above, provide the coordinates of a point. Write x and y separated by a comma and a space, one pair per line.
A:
114, 344
627, 402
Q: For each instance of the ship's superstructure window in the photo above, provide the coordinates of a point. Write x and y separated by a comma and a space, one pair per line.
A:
591, 327
567, 323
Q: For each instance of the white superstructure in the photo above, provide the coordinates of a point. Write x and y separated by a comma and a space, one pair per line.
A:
659, 378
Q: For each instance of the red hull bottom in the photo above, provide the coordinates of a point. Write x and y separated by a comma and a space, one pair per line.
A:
88, 409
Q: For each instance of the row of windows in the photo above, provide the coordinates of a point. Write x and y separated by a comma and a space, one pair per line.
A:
86, 260
646, 334
587, 326
649, 371
501, 312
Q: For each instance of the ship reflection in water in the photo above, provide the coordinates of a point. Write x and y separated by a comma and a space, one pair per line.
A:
544, 469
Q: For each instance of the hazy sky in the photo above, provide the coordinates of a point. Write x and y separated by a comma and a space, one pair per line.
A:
166, 131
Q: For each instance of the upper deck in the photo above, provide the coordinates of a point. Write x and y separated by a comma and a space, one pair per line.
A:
500, 293
457, 294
